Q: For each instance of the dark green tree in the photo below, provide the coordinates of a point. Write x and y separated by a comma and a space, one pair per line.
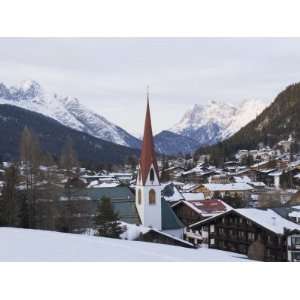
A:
8, 201
107, 220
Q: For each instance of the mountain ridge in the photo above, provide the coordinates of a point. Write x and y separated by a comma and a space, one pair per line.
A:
216, 121
52, 136
277, 121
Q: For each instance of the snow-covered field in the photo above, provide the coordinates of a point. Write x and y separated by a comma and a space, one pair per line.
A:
38, 245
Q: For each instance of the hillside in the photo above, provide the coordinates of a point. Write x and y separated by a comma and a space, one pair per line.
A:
216, 121
275, 123
39, 245
52, 136
172, 143
68, 111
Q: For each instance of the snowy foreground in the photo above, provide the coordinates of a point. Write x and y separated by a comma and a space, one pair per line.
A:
38, 245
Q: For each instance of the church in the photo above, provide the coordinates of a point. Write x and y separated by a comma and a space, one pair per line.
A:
153, 210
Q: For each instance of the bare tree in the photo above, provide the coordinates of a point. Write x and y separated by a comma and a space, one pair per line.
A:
269, 200
68, 158
30, 154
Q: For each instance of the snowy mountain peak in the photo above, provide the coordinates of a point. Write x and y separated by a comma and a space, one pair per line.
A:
67, 110
30, 85
217, 120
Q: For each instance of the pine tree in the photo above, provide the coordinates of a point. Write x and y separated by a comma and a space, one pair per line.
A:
8, 201
107, 221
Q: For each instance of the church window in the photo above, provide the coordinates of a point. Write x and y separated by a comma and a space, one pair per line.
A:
151, 175
152, 199
139, 196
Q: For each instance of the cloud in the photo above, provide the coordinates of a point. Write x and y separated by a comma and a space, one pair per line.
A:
110, 75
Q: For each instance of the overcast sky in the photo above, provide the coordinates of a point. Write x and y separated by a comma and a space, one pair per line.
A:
110, 75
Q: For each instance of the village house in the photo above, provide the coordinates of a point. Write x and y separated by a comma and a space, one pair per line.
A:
239, 189
219, 178
199, 174
193, 211
261, 234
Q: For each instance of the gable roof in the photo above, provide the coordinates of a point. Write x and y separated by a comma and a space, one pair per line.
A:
206, 208
266, 218
235, 186
169, 218
148, 156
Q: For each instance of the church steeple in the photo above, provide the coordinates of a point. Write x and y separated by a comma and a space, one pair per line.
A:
148, 188
148, 156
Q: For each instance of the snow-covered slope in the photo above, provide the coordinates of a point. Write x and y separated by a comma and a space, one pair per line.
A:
217, 121
39, 245
66, 110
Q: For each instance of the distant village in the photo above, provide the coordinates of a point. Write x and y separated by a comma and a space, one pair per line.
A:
250, 206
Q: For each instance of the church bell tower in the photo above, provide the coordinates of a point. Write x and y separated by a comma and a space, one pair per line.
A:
148, 188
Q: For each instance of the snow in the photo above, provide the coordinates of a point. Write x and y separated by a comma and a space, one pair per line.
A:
294, 214
237, 186
193, 196
216, 115
268, 219
67, 111
243, 179
97, 184
39, 245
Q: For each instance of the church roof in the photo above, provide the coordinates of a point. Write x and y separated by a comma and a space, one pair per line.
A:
148, 151
169, 218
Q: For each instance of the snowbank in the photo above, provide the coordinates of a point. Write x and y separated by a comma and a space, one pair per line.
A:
38, 245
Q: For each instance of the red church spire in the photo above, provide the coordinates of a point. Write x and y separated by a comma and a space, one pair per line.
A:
148, 150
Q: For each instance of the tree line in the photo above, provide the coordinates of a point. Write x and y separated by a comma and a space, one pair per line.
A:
32, 189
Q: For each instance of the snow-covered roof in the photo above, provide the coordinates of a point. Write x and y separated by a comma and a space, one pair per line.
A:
243, 179
268, 219
189, 186
176, 196
294, 214
275, 173
237, 186
96, 184
259, 164
193, 196
208, 207
257, 184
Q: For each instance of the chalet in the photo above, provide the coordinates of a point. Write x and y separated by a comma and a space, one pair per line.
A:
219, 178
190, 212
231, 189
199, 174
156, 236
293, 245
262, 234
174, 172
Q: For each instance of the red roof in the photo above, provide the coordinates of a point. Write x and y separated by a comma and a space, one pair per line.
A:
210, 206
148, 151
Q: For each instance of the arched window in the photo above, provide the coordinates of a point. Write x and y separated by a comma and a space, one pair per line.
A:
139, 196
152, 197
151, 175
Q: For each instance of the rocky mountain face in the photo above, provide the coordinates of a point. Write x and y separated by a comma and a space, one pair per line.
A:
216, 121
276, 122
171, 143
66, 110
201, 125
